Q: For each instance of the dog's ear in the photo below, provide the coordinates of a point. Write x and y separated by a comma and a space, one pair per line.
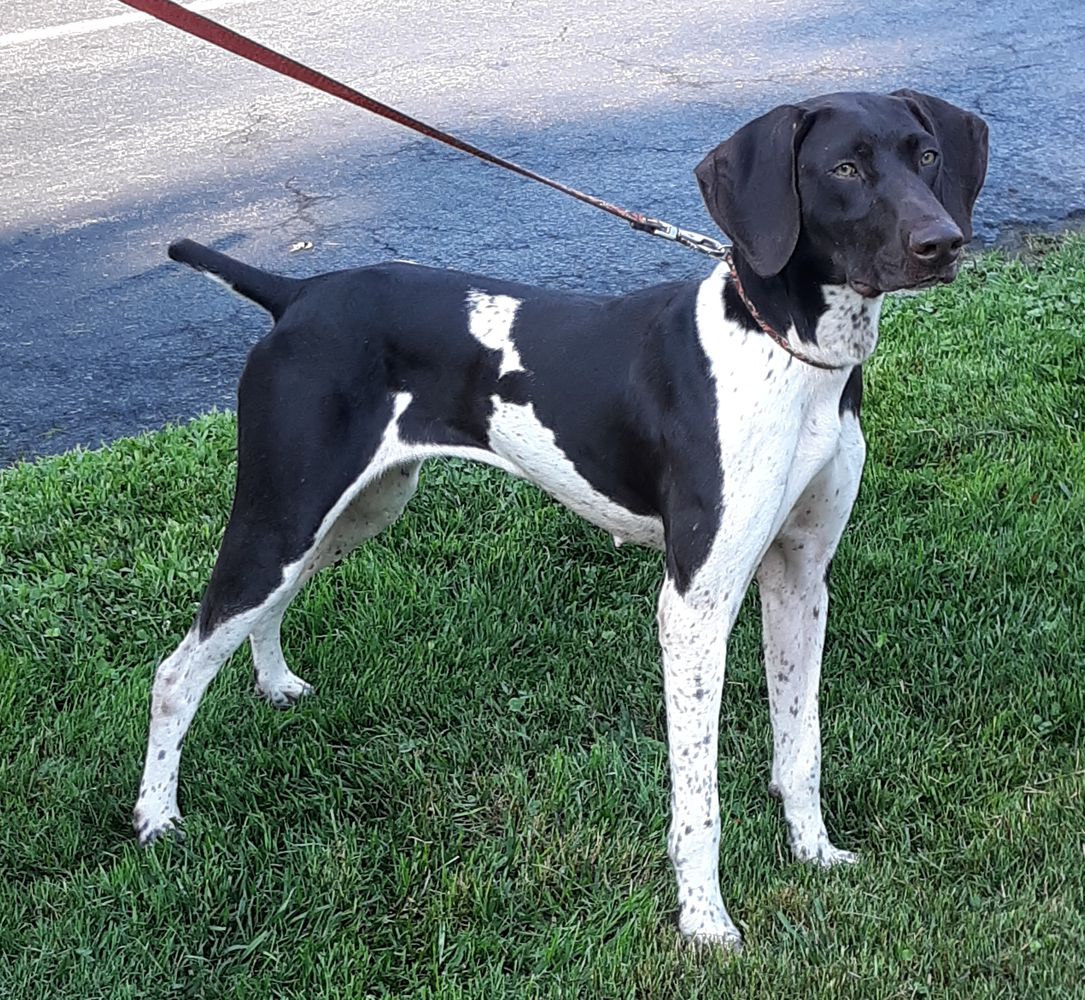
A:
749, 185
963, 165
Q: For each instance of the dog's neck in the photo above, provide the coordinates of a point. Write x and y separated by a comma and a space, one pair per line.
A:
829, 323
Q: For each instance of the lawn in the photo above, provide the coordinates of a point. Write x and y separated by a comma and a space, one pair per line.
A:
474, 804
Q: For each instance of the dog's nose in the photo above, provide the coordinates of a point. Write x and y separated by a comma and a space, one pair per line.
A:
936, 242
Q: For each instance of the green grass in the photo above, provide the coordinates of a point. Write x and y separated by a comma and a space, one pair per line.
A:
475, 803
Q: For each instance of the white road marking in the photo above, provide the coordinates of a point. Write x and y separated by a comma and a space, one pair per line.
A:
92, 25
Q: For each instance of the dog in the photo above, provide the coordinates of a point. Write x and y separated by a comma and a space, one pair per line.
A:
716, 421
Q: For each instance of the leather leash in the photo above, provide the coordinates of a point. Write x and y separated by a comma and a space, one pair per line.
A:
189, 21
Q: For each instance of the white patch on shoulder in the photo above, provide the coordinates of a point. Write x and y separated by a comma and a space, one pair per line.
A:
490, 323
522, 443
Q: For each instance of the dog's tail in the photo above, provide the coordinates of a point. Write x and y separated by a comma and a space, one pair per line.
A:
272, 291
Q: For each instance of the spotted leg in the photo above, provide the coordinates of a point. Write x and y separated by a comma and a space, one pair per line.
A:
179, 686
693, 633
183, 677
373, 510
275, 681
793, 581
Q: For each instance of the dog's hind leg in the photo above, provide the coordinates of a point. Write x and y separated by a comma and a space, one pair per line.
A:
274, 680
179, 685
304, 459
376, 507
183, 677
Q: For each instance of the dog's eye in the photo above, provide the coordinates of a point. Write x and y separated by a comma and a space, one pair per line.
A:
846, 170
928, 158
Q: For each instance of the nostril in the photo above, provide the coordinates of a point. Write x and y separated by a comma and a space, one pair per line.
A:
929, 245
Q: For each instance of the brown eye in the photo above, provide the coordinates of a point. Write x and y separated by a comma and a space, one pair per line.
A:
846, 170
928, 158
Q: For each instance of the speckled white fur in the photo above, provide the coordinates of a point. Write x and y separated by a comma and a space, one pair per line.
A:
785, 450
792, 466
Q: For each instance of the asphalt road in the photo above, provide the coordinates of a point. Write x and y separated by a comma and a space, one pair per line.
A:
118, 134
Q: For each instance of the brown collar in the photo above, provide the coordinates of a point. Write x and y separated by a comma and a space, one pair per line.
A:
760, 320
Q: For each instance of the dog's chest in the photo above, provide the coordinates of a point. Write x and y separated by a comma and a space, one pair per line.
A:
779, 420
771, 443
777, 431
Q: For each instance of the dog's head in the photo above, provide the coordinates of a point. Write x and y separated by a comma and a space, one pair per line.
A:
874, 190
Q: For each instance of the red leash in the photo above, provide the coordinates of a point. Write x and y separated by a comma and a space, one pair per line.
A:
217, 34
211, 31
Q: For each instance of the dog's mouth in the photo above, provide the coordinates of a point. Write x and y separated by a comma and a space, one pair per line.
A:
869, 291
865, 290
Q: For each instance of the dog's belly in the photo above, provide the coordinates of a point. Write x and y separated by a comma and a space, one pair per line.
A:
531, 451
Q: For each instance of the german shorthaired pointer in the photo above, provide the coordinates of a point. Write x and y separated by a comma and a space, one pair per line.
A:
666, 417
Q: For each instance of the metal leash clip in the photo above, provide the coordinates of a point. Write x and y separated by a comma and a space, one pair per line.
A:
703, 244
683, 237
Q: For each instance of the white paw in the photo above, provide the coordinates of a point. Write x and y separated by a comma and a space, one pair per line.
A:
286, 692
725, 940
151, 828
711, 927
829, 856
824, 855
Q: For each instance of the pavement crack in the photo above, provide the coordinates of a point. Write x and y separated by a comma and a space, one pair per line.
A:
304, 204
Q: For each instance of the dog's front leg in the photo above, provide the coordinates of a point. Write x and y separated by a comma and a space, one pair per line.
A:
693, 633
794, 590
